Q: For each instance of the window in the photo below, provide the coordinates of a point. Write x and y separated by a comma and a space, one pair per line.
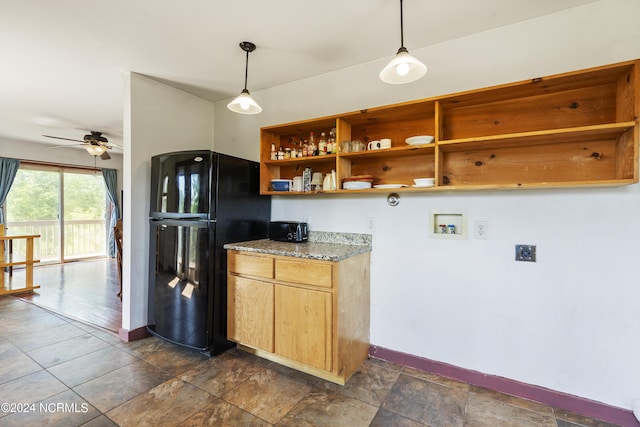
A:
68, 207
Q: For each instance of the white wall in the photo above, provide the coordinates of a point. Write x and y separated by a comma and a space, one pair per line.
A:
157, 119
571, 321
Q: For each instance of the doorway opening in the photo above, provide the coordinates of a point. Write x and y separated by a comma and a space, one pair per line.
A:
70, 209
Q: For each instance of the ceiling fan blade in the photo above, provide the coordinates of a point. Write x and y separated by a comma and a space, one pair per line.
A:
105, 156
66, 146
66, 139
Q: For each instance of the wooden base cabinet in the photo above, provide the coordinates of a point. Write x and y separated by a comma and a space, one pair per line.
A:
251, 319
307, 314
303, 326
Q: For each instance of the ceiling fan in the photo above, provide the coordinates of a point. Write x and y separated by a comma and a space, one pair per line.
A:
94, 143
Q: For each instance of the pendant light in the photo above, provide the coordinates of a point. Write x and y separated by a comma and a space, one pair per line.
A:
403, 68
244, 103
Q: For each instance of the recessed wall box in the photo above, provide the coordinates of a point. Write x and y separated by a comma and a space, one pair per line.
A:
448, 224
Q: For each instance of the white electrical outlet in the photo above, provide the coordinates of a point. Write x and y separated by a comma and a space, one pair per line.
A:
370, 224
480, 229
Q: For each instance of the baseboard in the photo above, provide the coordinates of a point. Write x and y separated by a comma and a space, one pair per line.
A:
556, 399
133, 335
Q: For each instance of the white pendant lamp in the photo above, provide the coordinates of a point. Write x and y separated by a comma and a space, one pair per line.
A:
403, 68
244, 103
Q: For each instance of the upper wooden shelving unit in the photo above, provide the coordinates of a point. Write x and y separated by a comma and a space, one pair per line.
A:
575, 129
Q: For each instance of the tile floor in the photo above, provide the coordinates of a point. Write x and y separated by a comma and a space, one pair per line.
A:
56, 371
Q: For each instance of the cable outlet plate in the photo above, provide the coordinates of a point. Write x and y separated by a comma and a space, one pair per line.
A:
526, 253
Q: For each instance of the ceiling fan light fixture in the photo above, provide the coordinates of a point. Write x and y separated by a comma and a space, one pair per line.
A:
244, 103
95, 150
403, 68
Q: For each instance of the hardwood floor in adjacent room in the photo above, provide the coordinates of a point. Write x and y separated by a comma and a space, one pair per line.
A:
82, 290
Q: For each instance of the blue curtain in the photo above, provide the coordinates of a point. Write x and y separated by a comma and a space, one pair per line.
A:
8, 171
111, 183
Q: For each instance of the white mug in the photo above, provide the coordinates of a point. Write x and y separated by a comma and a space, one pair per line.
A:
374, 145
385, 143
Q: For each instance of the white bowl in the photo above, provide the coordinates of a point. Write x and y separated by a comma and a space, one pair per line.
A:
424, 181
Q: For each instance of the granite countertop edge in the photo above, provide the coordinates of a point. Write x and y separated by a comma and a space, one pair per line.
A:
318, 247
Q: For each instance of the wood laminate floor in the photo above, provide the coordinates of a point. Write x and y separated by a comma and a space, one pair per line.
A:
82, 290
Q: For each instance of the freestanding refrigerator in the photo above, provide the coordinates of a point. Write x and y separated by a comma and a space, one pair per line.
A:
200, 200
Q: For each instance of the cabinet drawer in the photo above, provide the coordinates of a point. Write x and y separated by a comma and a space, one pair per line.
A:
308, 273
251, 265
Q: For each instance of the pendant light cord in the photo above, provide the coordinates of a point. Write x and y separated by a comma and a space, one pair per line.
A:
246, 71
401, 27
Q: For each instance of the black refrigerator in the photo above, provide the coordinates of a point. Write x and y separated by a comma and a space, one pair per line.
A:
200, 200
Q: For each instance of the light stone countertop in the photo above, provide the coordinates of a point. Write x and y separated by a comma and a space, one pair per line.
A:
321, 246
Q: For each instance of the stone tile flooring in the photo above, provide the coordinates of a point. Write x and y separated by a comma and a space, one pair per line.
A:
56, 371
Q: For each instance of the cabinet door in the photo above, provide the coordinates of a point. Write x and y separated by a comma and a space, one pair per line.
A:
303, 326
250, 312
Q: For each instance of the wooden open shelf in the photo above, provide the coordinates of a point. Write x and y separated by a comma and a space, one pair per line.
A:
7, 259
577, 129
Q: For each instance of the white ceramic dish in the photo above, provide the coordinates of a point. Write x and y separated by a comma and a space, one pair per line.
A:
389, 186
419, 140
424, 181
356, 185
423, 186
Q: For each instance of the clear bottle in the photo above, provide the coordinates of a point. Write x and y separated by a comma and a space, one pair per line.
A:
274, 155
312, 149
331, 143
322, 144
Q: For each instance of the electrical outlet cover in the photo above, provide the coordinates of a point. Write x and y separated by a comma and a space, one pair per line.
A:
480, 229
526, 253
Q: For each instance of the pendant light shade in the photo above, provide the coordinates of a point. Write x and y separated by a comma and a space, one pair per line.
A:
403, 68
244, 103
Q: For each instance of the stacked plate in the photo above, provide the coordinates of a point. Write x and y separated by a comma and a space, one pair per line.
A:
360, 178
357, 182
356, 185
419, 140
390, 186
